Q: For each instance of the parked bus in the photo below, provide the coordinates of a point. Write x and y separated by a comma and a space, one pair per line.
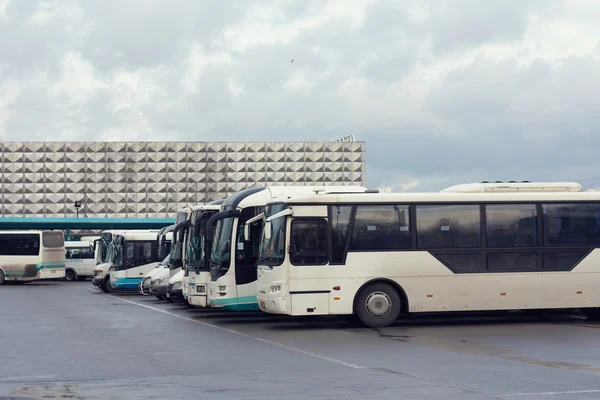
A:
105, 253
233, 259
30, 255
80, 260
160, 280
165, 238
379, 255
198, 253
136, 253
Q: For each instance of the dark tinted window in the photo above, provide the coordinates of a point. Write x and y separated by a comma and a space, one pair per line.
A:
77, 253
340, 218
467, 262
448, 226
19, 244
571, 224
246, 253
563, 260
53, 239
525, 261
140, 253
511, 225
308, 244
381, 227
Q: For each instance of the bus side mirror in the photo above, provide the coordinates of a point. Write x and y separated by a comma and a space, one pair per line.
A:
267, 230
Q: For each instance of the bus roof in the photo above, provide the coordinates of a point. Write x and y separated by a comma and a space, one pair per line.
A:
446, 197
513, 186
259, 196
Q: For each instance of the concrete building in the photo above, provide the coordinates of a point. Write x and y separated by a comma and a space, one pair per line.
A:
155, 179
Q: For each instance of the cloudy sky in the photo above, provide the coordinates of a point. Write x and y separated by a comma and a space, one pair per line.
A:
442, 91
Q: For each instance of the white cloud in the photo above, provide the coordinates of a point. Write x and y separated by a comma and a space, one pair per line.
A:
442, 92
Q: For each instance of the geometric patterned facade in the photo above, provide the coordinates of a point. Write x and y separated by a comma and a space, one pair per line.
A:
155, 179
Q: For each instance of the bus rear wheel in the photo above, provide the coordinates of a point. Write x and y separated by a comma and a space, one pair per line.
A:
378, 305
70, 275
2, 277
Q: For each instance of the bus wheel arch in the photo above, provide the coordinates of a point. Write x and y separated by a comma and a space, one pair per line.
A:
387, 291
70, 274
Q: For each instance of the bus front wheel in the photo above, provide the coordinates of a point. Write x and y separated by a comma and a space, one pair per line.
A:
378, 305
2, 277
70, 275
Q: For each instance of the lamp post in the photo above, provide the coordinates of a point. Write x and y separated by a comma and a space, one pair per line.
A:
77, 207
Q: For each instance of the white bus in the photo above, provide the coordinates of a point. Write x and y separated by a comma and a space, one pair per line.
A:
136, 253
80, 260
105, 251
379, 255
30, 255
198, 250
233, 259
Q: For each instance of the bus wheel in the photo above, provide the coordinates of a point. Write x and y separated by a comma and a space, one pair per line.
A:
103, 287
2, 278
378, 305
70, 275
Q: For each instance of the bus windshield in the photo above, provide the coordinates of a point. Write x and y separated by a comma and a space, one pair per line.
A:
196, 247
272, 250
221, 249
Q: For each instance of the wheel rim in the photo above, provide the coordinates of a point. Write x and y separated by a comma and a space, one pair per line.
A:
378, 304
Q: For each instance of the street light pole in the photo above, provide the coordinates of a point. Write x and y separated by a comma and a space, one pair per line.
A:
77, 206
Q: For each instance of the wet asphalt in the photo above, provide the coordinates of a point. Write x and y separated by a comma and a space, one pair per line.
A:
68, 340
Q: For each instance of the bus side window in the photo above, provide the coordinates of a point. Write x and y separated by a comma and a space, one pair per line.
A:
308, 241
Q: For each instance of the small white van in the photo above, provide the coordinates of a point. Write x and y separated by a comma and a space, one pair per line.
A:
79, 260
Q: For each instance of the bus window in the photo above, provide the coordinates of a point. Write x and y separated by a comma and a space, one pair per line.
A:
381, 227
308, 244
19, 245
340, 219
76, 253
511, 225
446, 226
571, 224
53, 239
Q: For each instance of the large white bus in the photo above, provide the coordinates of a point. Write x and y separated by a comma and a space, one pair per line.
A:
105, 253
160, 281
379, 255
80, 260
30, 255
198, 253
136, 253
233, 259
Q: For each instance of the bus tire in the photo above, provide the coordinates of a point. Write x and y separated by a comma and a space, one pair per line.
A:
378, 305
2, 277
103, 287
109, 289
70, 275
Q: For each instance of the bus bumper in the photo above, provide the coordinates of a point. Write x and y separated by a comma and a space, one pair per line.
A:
272, 305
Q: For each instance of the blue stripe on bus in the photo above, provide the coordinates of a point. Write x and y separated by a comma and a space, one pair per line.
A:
126, 283
246, 303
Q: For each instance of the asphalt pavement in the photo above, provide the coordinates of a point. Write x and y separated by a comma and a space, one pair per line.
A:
68, 340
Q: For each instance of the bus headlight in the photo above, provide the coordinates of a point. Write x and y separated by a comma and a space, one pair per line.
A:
177, 285
275, 288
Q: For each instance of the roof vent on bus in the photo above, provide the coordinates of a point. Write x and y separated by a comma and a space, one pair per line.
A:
372, 191
515, 187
